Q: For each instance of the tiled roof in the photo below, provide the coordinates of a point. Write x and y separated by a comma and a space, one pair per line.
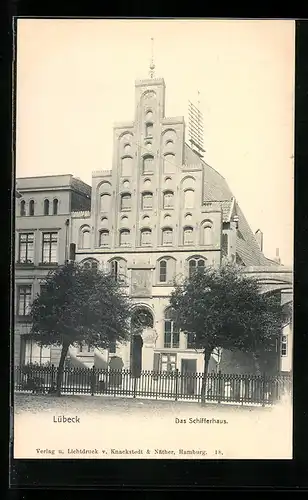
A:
215, 188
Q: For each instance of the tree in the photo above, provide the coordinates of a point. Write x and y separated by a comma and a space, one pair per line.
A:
221, 308
79, 305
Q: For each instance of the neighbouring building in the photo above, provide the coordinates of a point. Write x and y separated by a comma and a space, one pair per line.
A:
43, 217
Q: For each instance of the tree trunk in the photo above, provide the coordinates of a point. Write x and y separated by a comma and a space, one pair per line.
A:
257, 364
207, 357
61, 367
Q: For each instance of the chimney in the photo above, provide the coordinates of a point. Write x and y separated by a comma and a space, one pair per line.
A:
277, 258
259, 238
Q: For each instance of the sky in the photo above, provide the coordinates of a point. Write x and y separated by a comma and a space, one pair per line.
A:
75, 79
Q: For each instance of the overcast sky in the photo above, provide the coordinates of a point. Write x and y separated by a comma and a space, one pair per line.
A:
75, 78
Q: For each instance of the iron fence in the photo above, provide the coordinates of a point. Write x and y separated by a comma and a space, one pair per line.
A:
219, 387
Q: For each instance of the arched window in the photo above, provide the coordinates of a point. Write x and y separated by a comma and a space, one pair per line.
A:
167, 236
163, 271
147, 166
126, 166
126, 201
189, 198
90, 264
147, 201
85, 238
166, 270
31, 207
169, 163
125, 238
141, 318
105, 201
22, 208
55, 204
104, 238
188, 237
197, 263
207, 234
168, 200
149, 129
46, 207
172, 336
118, 270
146, 237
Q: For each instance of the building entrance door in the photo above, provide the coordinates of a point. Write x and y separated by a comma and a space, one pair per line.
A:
189, 381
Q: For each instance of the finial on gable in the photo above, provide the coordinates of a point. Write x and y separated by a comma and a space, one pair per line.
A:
152, 65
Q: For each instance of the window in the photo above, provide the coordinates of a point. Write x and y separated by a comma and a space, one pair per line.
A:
148, 164
84, 348
126, 166
118, 270
55, 204
169, 163
36, 354
126, 201
113, 347
168, 362
172, 336
189, 198
224, 244
147, 201
207, 234
124, 238
31, 207
196, 263
90, 264
22, 208
163, 271
190, 341
104, 238
167, 236
146, 237
149, 129
168, 199
85, 238
46, 207
24, 300
284, 345
49, 247
105, 200
26, 248
166, 270
188, 236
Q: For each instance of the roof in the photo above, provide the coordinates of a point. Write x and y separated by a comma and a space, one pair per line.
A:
215, 188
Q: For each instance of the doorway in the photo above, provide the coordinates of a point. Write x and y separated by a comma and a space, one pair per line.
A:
189, 381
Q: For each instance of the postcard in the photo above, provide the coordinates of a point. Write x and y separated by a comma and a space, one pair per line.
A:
153, 274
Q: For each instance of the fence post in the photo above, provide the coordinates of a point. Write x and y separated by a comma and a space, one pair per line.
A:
93, 377
52, 385
219, 387
135, 385
176, 383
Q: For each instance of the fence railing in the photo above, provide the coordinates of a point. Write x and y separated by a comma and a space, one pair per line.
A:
220, 387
